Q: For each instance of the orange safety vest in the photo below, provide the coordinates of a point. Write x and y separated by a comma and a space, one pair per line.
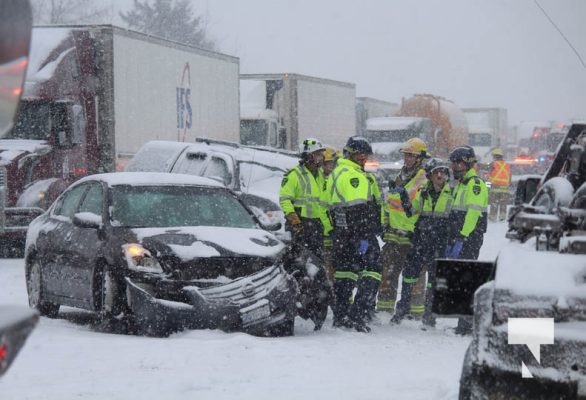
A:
500, 174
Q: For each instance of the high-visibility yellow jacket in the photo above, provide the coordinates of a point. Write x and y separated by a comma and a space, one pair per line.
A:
301, 193
470, 205
353, 198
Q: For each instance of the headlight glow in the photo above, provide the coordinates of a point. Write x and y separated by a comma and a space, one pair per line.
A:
140, 259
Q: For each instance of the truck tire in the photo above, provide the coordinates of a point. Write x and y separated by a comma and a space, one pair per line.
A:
34, 288
554, 193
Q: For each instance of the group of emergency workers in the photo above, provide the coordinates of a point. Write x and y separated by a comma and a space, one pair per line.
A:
334, 208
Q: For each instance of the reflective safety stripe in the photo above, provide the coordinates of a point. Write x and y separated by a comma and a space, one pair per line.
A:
394, 238
306, 200
464, 208
500, 174
346, 275
385, 305
335, 189
328, 242
417, 309
410, 280
371, 274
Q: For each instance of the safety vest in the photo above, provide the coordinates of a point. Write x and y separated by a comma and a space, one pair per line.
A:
425, 205
397, 219
470, 204
500, 175
301, 193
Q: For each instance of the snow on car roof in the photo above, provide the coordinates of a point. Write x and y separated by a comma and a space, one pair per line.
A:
159, 155
525, 271
151, 178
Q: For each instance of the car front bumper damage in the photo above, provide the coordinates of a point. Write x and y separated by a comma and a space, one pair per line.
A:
252, 304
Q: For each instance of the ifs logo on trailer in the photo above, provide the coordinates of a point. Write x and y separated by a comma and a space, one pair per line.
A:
533, 332
183, 96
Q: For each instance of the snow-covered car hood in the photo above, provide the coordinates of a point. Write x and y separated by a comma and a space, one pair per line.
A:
189, 243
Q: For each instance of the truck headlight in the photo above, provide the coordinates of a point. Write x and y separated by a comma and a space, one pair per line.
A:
140, 259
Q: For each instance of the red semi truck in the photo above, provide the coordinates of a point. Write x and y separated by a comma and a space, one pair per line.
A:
92, 97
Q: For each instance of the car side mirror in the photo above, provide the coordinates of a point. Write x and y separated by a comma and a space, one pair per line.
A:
87, 220
271, 227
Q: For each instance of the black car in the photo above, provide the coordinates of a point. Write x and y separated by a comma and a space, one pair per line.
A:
165, 250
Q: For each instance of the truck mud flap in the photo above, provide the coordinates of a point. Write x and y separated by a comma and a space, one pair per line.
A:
456, 282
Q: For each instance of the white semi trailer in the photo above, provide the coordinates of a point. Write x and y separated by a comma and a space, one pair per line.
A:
280, 110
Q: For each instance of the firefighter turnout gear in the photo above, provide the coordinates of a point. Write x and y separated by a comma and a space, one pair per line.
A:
433, 205
351, 195
398, 231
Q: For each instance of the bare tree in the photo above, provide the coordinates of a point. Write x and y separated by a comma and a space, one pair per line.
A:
170, 19
70, 12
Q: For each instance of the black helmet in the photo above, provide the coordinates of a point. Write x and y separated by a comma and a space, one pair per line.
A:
435, 163
463, 153
358, 144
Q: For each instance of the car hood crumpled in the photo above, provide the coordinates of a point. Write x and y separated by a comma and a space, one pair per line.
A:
188, 243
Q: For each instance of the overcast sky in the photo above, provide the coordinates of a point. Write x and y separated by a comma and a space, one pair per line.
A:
492, 53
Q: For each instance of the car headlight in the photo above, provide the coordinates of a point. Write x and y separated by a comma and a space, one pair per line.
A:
140, 259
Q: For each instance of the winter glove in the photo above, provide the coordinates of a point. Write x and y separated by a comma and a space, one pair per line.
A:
296, 226
363, 247
455, 250
394, 189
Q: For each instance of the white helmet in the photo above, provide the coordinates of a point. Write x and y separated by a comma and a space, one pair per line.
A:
310, 145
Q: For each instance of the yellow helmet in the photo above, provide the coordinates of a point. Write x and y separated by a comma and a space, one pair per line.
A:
331, 154
497, 152
415, 146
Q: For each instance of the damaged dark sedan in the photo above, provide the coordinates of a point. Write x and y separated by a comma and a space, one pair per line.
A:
165, 251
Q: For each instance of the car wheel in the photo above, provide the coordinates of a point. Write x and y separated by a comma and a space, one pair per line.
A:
34, 288
112, 295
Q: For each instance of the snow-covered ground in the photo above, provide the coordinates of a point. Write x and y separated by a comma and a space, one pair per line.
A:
70, 358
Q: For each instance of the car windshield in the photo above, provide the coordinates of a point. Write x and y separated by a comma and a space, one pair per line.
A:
174, 206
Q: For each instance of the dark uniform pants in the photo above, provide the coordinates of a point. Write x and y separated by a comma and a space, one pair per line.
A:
355, 270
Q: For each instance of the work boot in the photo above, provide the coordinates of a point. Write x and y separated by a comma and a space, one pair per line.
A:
428, 320
402, 307
342, 291
365, 299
